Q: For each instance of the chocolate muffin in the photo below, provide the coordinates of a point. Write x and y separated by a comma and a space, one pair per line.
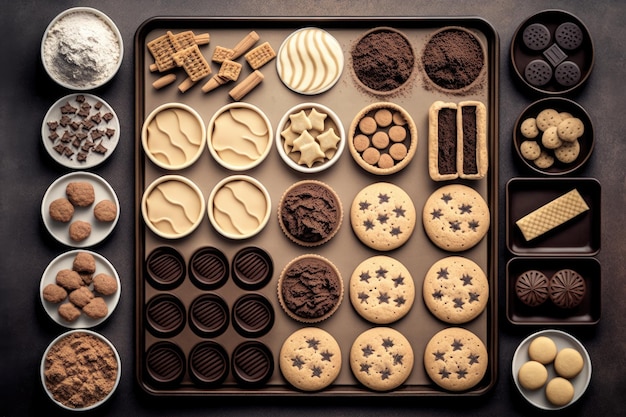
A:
532, 288
567, 288
310, 288
310, 213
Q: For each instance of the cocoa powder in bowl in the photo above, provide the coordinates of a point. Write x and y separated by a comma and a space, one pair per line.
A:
80, 370
453, 58
383, 60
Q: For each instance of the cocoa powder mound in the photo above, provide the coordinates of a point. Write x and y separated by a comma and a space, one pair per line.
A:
383, 60
80, 370
453, 59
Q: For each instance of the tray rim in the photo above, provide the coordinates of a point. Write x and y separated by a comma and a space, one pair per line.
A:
493, 59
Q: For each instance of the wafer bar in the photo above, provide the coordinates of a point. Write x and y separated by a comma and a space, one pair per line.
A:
230, 70
163, 81
246, 85
551, 215
261, 55
162, 49
193, 62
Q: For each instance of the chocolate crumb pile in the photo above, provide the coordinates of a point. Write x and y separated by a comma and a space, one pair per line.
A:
80, 370
453, 59
81, 130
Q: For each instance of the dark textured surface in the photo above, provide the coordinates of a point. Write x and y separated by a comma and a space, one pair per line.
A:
26, 171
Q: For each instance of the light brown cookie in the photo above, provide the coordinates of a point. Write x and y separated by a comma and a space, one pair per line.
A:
382, 289
532, 375
530, 150
559, 391
571, 129
96, 308
79, 230
568, 363
542, 349
383, 216
310, 359
455, 289
80, 193
456, 217
455, 359
547, 118
545, 160
61, 210
568, 151
105, 211
529, 128
381, 358
550, 138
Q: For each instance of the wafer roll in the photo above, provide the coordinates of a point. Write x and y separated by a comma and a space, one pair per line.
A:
246, 85
245, 44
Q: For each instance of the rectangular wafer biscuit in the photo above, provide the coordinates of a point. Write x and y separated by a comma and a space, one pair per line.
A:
162, 49
261, 55
193, 62
220, 54
230, 70
555, 213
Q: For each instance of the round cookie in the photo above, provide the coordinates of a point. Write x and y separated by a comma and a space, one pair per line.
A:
381, 358
455, 290
455, 359
382, 290
455, 217
567, 288
550, 138
570, 129
80, 194
545, 160
568, 363
530, 150
105, 211
547, 118
61, 210
310, 359
559, 391
532, 375
568, 151
531, 287
542, 349
529, 128
383, 216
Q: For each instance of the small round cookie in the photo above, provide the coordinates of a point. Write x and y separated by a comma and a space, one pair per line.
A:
567, 288
80, 194
530, 150
545, 160
547, 118
455, 359
69, 312
529, 128
104, 284
455, 290
84, 262
456, 217
531, 288
96, 308
532, 375
383, 216
381, 358
559, 391
81, 297
568, 363
105, 211
570, 129
61, 210
310, 359
542, 349
550, 138
54, 293
79, 230
68, 279
382, 289
568, 151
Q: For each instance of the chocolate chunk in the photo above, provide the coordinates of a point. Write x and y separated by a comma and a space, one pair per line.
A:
81, 157
109, 132
96, 118
96, 134
83, 113
67, 136
65, 120
554, 55
67, 108
75, 125
80, 98
446, 130
99, 148
53, 136
108, 116
53, 125
88, 125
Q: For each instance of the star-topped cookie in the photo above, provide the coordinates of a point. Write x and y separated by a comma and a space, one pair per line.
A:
310, 359
456, 217
455, 289
382, 289
455, 359
383, 216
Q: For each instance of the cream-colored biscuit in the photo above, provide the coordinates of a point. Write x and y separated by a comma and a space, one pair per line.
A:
559, 391
568, 151
550, 138
529, 128
530, 150
542, 349
532, 375
571, 129
568, 363
547, 118
544, 161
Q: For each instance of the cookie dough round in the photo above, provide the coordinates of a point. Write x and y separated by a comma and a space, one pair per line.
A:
96, 308
79, 230
382, 289
456, 217
80, 194
455, 290
542, 349
61, 210
532, 375
105, 211
310, 359
568, 363
54, 293
381, 358
104, 284
383, 216
455, 359
559, 391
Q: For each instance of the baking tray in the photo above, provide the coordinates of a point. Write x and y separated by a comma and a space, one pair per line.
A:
547, 314
578, 237
344, 250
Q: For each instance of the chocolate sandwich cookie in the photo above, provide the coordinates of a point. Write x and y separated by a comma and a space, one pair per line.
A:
536, 36
567, 288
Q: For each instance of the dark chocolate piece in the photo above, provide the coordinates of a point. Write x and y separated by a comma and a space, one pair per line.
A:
554, 55
532, 288
447, 131
468, 115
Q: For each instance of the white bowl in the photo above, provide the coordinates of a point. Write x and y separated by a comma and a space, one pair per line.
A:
289, 157
174, 151
93, 158
243, 210
99, 230
64, 261
103, 339
562, 340
85, 30
176, 191
242, 147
